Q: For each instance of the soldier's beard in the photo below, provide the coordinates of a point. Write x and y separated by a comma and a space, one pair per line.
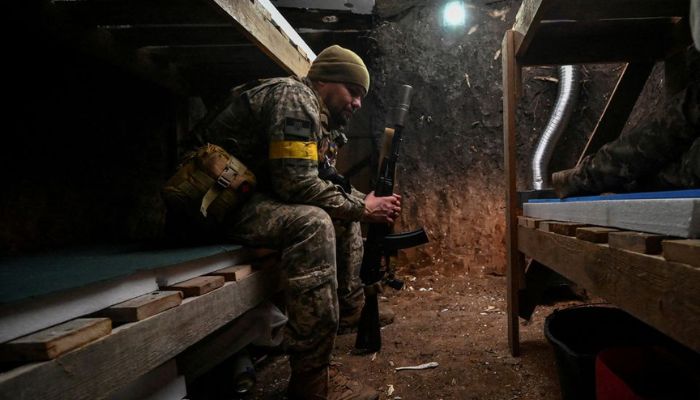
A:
341, 118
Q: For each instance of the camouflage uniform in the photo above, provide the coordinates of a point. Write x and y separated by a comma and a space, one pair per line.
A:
279, 129
663, 153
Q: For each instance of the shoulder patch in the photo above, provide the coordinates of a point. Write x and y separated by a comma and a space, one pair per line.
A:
298, 129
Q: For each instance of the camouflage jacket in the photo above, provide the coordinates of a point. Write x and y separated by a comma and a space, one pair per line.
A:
279, 128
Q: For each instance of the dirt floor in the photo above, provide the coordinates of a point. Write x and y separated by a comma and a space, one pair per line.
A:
458, 322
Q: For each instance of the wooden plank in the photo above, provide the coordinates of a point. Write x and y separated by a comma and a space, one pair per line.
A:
235, 273
143, 307
663, 294
595, 234
683, 251
516, 261
640, 242
620, 104
255, 22
533, 222
572, 42
52, 342
524, 221
102, 367
198, 286
606, 9
559, 227
530, 222
139, 13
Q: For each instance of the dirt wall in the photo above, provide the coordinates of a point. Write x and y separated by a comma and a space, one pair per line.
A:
451, 170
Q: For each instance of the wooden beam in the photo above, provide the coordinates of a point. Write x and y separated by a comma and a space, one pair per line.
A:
666, 295
619, 107
605, 41
516, 262
256, 324
102, 367
618, 9
113, 13
256, 23
216, 34
527, 22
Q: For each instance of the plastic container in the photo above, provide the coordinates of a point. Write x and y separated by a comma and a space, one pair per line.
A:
578, 334
644, 373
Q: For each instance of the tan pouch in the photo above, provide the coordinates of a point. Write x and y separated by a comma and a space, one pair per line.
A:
209, 182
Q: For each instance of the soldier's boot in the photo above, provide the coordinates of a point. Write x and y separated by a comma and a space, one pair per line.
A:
350, 319
327, 383
565, 184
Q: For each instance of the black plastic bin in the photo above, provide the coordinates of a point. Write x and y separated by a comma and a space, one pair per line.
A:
579, 333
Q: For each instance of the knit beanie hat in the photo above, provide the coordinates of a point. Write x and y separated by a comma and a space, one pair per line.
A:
337, 64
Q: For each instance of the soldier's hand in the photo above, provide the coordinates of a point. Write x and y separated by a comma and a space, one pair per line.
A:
382, 209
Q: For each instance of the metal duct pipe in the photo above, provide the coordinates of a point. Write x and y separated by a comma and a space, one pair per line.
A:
558, 120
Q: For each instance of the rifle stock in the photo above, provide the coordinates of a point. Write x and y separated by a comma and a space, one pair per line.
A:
380, 243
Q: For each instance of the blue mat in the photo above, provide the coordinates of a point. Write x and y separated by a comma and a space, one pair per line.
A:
674, 194
23, 277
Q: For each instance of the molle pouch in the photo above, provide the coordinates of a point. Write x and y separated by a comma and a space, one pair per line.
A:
209, 184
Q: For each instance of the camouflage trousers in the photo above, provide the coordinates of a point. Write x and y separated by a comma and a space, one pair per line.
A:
321, 259
662, 153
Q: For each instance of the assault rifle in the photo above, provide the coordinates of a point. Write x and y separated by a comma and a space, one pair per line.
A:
381, 244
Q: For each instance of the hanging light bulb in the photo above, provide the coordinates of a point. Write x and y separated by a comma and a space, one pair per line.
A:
454, 14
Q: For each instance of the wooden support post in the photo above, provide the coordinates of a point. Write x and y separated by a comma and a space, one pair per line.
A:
618, 109
516, 262
527, 22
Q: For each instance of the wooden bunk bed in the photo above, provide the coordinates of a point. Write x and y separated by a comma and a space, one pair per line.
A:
665, 294
112, 322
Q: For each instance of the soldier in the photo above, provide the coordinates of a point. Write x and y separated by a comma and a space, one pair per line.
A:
283, 129
662, 153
